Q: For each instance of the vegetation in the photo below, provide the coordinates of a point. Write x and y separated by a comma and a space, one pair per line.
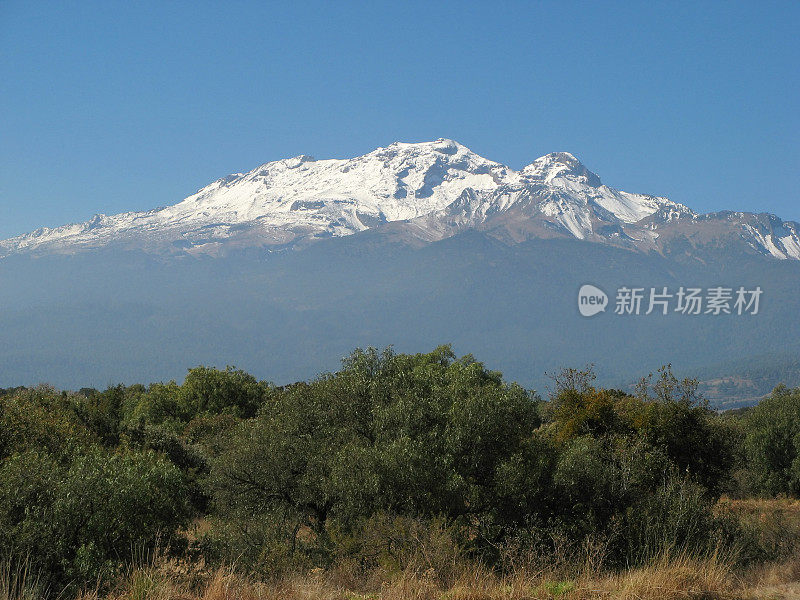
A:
399, 475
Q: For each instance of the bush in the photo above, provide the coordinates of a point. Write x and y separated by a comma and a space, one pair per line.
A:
189, 458
589, 486
393, 544
676, 519
82, 521
40, 419
772, 444
206, 392
269, 545
395, 464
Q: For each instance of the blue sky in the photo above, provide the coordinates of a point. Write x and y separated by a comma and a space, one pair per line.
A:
112, 106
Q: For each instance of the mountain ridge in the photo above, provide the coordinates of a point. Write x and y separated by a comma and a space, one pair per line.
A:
426, 191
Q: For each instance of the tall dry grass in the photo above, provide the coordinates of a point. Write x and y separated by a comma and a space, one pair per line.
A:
17, 582
668, 578
436, 570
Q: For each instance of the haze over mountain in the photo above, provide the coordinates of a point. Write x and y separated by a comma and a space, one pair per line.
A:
285, 269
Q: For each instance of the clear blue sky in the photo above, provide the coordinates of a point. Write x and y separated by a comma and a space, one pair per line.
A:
114, 106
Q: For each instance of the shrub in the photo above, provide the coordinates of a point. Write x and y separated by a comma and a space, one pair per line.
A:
676, 519
81, 521
668, 415
772, 443
40, 419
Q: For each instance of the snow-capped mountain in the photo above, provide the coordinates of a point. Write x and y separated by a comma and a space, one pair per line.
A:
425, 191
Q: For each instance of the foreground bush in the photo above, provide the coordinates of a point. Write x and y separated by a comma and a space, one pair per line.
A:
83, 522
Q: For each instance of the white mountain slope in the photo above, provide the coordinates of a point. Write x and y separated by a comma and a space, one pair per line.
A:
433, 188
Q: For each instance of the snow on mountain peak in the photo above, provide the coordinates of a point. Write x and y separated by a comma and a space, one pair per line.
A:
443, 145
296, 161
560, 165
442, 151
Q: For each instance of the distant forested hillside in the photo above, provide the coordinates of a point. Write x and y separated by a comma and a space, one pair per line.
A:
99, 318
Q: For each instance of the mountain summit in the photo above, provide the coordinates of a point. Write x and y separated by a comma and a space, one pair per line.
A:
422, 191
560, 164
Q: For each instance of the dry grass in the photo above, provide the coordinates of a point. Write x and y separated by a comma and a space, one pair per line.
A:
556, 577
762, 507
17, 583
680, 577
668, 578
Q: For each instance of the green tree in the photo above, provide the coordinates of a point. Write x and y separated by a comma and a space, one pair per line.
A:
80, 522
41, 419
772, 443
418, 435
666, 413
208, 391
